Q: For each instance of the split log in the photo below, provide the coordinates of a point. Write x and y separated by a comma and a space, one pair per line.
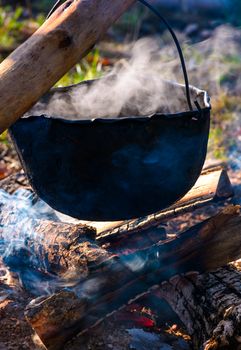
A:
212, 186
209, 305
120, 280
33, 68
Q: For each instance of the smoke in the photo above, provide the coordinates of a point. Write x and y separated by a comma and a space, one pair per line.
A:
21, 210
34, 260
215, 66
19, 239
212, 61
141, 85
224, 65
136, 87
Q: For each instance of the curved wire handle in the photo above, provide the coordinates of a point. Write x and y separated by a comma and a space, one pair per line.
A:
56, 5
178, 46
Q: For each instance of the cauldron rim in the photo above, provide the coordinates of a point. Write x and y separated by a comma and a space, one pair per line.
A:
205, 98
137, 119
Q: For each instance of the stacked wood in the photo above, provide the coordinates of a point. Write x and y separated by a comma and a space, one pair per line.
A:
113, 283
101, 281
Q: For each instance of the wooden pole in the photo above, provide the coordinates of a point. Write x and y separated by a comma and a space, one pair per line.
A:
34, 67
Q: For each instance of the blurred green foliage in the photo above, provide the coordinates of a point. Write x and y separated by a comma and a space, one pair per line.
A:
89, 68
4, 137
12, 25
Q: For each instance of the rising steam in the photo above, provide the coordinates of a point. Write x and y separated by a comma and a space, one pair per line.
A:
133, 87
136, 87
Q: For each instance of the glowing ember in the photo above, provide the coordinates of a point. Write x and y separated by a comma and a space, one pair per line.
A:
138, 315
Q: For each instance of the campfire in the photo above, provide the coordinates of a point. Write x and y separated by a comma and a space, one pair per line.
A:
156, 264
73, 279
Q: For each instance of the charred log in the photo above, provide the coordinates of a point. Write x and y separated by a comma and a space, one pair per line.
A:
48, 247
101, 281
112, 284
209, 305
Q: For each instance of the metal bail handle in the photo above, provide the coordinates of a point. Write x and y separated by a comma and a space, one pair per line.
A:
179, 49
56, 5
178, 46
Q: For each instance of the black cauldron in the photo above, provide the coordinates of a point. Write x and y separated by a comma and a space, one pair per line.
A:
107, 169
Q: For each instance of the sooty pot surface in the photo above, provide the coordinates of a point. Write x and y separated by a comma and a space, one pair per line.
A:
111, 169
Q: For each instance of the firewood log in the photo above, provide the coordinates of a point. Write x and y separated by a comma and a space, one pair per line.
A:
68, 253
34, 67
113, 283
50, 247
212, 186
209, 305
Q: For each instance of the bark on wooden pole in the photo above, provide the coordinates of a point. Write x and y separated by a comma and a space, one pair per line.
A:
34, 67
